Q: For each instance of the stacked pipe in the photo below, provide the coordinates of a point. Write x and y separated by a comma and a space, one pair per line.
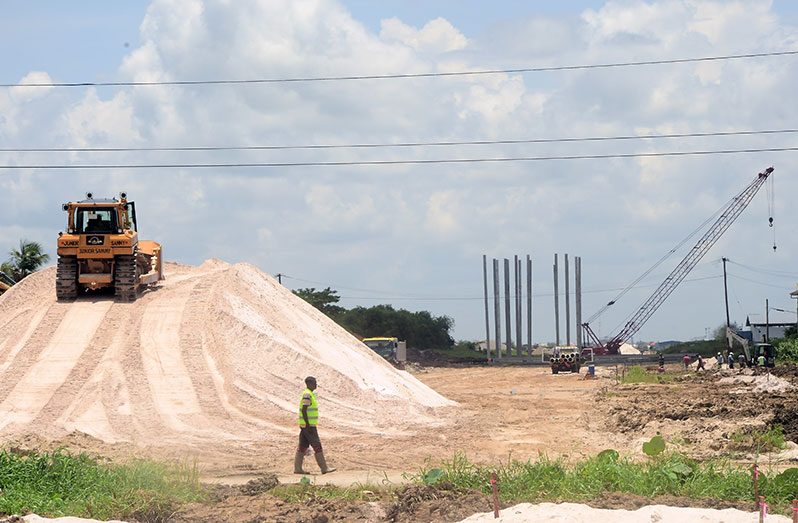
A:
568, 358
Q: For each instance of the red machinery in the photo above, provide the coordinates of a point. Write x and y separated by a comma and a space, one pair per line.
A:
727, 216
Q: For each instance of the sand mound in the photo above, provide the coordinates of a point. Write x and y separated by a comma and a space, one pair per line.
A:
763, 383
628, 348
215, 355
576, 513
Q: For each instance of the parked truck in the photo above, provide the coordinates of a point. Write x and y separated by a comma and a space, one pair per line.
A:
566, 359
384, 346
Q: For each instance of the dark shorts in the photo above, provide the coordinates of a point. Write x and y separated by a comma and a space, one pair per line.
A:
309, 437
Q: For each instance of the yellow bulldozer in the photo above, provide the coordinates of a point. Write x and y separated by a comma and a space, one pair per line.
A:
5, 283
101, 249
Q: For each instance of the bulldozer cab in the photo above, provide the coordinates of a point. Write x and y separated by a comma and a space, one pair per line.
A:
95, 220
101, 216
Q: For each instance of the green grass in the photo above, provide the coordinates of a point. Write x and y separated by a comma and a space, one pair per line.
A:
759, 440
638, 374
63, 484
668, 474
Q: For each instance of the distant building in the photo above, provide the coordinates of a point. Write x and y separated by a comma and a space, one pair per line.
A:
774, 330
776, 323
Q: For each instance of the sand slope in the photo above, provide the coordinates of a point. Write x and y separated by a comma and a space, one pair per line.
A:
215, 355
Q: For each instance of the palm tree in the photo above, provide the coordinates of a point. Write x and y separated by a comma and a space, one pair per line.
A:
27, 259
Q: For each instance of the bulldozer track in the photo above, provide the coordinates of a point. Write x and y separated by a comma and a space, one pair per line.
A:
66, 283
126, 278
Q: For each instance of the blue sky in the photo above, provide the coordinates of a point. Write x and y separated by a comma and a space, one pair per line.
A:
87, 39
324, 227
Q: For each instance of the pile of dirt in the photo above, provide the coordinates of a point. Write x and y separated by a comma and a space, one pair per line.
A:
435, 503
411, 503
763, 383
704, 411
214, 356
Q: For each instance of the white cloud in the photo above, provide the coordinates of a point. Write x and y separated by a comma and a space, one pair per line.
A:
437, 36
432, 221
22, 94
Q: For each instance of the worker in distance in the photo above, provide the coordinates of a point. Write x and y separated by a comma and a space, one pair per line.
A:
308, 429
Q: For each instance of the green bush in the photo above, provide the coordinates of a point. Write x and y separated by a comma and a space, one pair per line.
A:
787, 350
62, 484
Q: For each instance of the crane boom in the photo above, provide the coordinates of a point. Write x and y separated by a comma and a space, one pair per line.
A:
729, 214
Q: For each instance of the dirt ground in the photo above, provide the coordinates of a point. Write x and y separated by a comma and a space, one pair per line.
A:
504, 412
520, 412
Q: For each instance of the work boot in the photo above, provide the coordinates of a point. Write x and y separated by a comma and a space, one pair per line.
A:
299, 457
323, 463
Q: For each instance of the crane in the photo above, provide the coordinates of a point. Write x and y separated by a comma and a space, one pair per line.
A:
727, 216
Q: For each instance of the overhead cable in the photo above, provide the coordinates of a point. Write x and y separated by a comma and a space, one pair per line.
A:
399, 144
755, 281
399, 297
233, 165
401, 75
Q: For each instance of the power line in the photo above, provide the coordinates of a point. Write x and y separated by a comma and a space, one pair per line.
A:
402, 75
767, 272
234, 165
399, 144
398, 297
757, 282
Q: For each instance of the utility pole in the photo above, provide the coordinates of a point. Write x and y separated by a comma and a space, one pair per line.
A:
509, 331
529, 305
726, 297
518, 312
487, 320
767, 321
578, 299
279, 278
556, 304
497, 324
567, 304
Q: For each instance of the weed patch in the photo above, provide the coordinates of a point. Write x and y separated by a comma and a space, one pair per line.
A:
638, 374
666, 474
758, 440
62, 484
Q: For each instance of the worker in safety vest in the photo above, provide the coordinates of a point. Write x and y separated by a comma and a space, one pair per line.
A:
308, 432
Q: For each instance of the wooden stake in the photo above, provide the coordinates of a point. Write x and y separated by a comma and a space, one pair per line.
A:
756, 484
795, 511
763, 509
495, 488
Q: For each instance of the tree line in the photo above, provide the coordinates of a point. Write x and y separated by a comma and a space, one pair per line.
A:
422, 330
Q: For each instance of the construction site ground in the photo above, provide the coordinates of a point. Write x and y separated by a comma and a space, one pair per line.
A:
505, 413
521, 412
205, 370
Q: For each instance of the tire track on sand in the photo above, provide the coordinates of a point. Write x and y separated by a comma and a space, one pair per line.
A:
170, 385
77, 398
55, 362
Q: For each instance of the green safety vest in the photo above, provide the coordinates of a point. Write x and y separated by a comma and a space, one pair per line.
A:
313, 409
